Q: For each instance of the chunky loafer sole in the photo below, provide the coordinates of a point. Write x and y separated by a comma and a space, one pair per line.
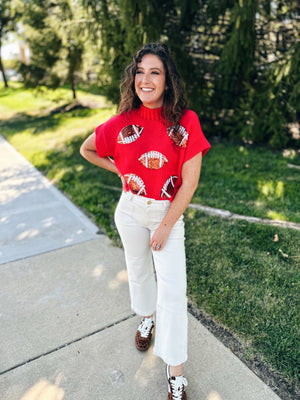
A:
143, 343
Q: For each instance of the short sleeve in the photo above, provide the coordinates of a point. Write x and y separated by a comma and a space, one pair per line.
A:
197, 142
105, 138
100, 141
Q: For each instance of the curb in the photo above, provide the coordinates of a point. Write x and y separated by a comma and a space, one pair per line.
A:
229, 215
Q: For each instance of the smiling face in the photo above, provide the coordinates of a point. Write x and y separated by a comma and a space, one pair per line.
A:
150, 81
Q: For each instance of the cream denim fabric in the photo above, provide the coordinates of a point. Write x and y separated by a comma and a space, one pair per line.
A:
162, 290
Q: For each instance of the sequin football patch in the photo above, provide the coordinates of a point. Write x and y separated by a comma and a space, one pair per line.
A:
178, 135
130, 134
153, 160
169, 187
136, 184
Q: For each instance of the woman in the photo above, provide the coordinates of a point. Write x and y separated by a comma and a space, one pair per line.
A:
155, 146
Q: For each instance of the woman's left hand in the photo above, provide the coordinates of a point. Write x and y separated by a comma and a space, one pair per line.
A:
159, 237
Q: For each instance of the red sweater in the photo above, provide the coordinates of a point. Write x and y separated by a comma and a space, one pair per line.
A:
147, 153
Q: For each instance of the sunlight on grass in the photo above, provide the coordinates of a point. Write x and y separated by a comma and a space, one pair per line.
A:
41, 135
79, 168
276, 215
243, 150
249, 180
59, 174
271, 189
279, 191
16, 99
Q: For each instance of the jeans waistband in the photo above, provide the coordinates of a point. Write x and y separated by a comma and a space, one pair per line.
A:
145, 201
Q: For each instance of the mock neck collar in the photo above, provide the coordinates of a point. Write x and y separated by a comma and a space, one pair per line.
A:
150, 113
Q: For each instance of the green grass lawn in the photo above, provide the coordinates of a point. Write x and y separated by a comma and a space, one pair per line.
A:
237, 272
252, 181
248, 281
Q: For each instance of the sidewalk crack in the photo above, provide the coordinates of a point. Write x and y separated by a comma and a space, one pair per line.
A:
67, 344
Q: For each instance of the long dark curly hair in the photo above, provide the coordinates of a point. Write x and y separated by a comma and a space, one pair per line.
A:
174, 98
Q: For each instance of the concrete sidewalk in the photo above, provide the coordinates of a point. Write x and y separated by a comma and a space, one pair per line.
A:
66, 328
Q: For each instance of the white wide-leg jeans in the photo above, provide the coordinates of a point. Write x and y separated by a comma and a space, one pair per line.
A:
137, 218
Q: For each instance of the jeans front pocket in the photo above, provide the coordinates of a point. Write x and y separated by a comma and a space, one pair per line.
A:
124, 209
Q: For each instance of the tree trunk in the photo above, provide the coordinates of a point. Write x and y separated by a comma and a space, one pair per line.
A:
2, 70
73, 85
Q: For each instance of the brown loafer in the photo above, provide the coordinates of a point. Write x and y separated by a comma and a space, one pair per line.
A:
144, 334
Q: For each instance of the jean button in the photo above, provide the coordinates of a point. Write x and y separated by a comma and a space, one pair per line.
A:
149, 202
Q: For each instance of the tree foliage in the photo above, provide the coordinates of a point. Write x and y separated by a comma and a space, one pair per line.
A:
246, 50
56, 31
120, 28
